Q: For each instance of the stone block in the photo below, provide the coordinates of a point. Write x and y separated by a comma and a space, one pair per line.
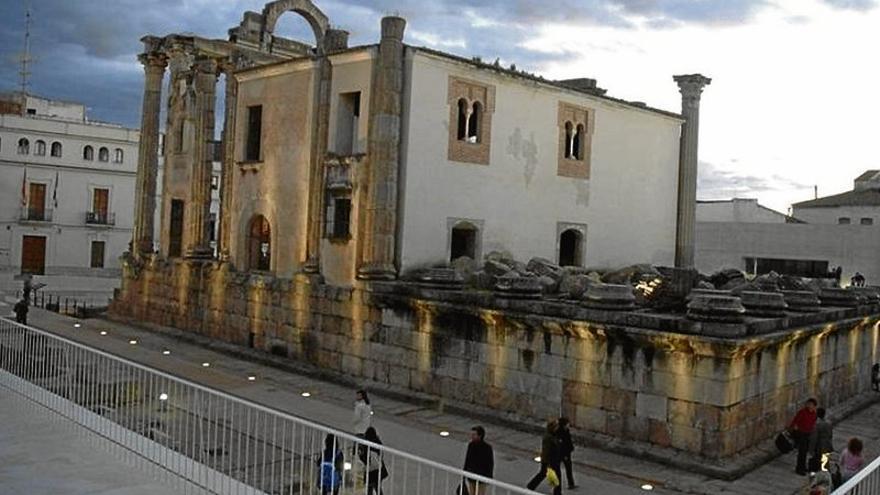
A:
590, 419
583, 394
352, 365
619, 401
659, 433
651, 406
686, 438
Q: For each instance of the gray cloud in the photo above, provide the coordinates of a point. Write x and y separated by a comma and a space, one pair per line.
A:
714, 182
852, 4
85, 49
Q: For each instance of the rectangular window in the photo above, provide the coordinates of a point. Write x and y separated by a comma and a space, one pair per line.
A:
215, 182
212, 227
36, 201
867, 221
254, 131
97, 259
338, 217
347, 123
799, 268
843, 221
175, 234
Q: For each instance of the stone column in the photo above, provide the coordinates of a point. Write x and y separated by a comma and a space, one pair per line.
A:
383, 155
148, 153
199, 206
224, 234
691, 87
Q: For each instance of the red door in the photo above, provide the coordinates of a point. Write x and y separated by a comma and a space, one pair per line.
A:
33, 254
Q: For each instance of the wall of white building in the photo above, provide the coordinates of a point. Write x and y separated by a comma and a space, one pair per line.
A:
833, 214
627, 206
853, 247
70, 183
737, 210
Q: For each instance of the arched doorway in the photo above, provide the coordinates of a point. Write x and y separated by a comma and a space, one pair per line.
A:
570, 248
259, 244
463, 241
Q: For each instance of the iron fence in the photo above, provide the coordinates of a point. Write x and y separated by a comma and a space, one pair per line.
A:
864, 482
204, 440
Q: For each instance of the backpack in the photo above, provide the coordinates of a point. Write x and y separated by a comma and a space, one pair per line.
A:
328, 475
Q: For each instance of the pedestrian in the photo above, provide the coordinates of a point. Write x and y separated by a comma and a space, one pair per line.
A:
332, 464
875, 377
21, 311
851, 460
479, 459
363, 413
551, 456
567, 447
373, 462
821, 441
801, 427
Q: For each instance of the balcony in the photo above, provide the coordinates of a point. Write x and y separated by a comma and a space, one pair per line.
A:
100, 218
31, 214
340, 172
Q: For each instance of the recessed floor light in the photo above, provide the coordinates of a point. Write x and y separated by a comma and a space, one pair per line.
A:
166, 352
76, 325
647, 487
133, 342
306, 394
251, 378
163, 396
103, 332
444, 433
206, 364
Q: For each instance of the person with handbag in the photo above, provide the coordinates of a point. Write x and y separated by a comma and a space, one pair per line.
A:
821, 440
801, 427
567, 446
479, 459
551, 458
373, 462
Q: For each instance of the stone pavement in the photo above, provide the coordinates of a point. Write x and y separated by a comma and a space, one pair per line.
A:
94, 290
413, 426
42, 454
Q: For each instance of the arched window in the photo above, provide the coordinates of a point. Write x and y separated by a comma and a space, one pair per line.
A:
577, 144
117, 155
570, 248
103, 155
568, 139
462, 119
24, 146
259, 244
475, 121
88, 153
56, 149
463, 242
40, 148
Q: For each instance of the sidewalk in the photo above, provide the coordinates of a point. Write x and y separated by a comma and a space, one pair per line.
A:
415, 428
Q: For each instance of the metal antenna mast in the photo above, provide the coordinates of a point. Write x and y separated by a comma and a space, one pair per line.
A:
26, 59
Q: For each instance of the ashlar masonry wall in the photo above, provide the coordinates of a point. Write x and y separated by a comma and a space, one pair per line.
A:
530, 360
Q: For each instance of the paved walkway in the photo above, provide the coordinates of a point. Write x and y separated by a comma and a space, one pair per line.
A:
42, 454
415, 429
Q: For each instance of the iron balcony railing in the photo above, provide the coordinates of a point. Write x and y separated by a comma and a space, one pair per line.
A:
203, 440
100, 218
32, 214
864, 482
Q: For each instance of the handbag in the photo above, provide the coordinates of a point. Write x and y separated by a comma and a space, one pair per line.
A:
784, 442
552, 477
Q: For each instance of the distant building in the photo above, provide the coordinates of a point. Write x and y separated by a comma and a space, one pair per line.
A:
821, 235
67, 188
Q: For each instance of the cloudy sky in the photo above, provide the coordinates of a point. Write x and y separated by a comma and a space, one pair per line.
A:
792, 103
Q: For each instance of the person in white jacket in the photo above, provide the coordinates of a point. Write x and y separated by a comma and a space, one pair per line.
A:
363, 413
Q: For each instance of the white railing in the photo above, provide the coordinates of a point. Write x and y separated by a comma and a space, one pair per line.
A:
207, 441
864, 482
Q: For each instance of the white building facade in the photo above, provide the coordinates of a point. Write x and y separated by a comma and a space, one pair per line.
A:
66, 189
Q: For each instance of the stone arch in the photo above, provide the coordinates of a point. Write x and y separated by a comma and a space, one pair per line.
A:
305, 8
259, 244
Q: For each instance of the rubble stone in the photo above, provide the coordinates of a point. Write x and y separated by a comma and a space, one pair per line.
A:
609, 297
715, 308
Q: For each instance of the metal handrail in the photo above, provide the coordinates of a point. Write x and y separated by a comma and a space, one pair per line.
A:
489, 485
864, 482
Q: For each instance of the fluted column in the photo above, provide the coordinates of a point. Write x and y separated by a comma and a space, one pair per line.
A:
199, 206
691, 87
321, 125
224, 234
383, 155
148, 153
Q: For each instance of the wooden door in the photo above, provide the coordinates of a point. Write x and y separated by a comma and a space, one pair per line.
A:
101, 202
97, 258
37, 201
33, 254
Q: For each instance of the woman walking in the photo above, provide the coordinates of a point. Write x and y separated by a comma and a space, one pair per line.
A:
374, 464
363, 413
551, 458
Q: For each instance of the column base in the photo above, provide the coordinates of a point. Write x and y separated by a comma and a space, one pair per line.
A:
377, 271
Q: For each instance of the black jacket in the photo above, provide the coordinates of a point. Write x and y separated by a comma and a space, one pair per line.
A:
551, 453
480, 459
566, 446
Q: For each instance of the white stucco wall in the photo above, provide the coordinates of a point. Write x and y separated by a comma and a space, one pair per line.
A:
628, 205
723, 244
737, 210
68, 237
831, 215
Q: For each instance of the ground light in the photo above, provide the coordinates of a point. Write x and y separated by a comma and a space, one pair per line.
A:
647, 487
251, 378
163, 396
76, 325
306, 394
444, 433
133, 342
206, 364
103, 332
166, 352
538, 459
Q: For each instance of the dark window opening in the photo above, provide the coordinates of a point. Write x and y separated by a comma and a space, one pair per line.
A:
175, 234
56, 149
843, 221
570, 243
338, 217
464, 242
462, 119
36, 202
31, 111
799, 268
212, 227
103, 155
40, 148
24, 146
88, 153
348, 122
259, 244
577, 143
97, 258
474, 123
866, 221
568, 139
254, 131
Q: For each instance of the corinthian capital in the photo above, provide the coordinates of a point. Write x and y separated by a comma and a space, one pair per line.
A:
691, 85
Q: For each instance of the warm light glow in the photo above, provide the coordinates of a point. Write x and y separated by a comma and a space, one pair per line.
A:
347, 466
103, 332
538, 459
444, 433
166, 352
206, 364
133, 342
251, 378
163, 396
647, 487
76, 325
306, 394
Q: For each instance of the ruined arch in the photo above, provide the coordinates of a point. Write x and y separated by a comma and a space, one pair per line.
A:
305, 8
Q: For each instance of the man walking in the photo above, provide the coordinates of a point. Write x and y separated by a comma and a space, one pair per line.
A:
479, 459
21, 311
567, 447
801, 427
551, 456
821, 441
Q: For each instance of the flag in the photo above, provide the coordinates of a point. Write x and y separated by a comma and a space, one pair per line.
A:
24, 188
55, 191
